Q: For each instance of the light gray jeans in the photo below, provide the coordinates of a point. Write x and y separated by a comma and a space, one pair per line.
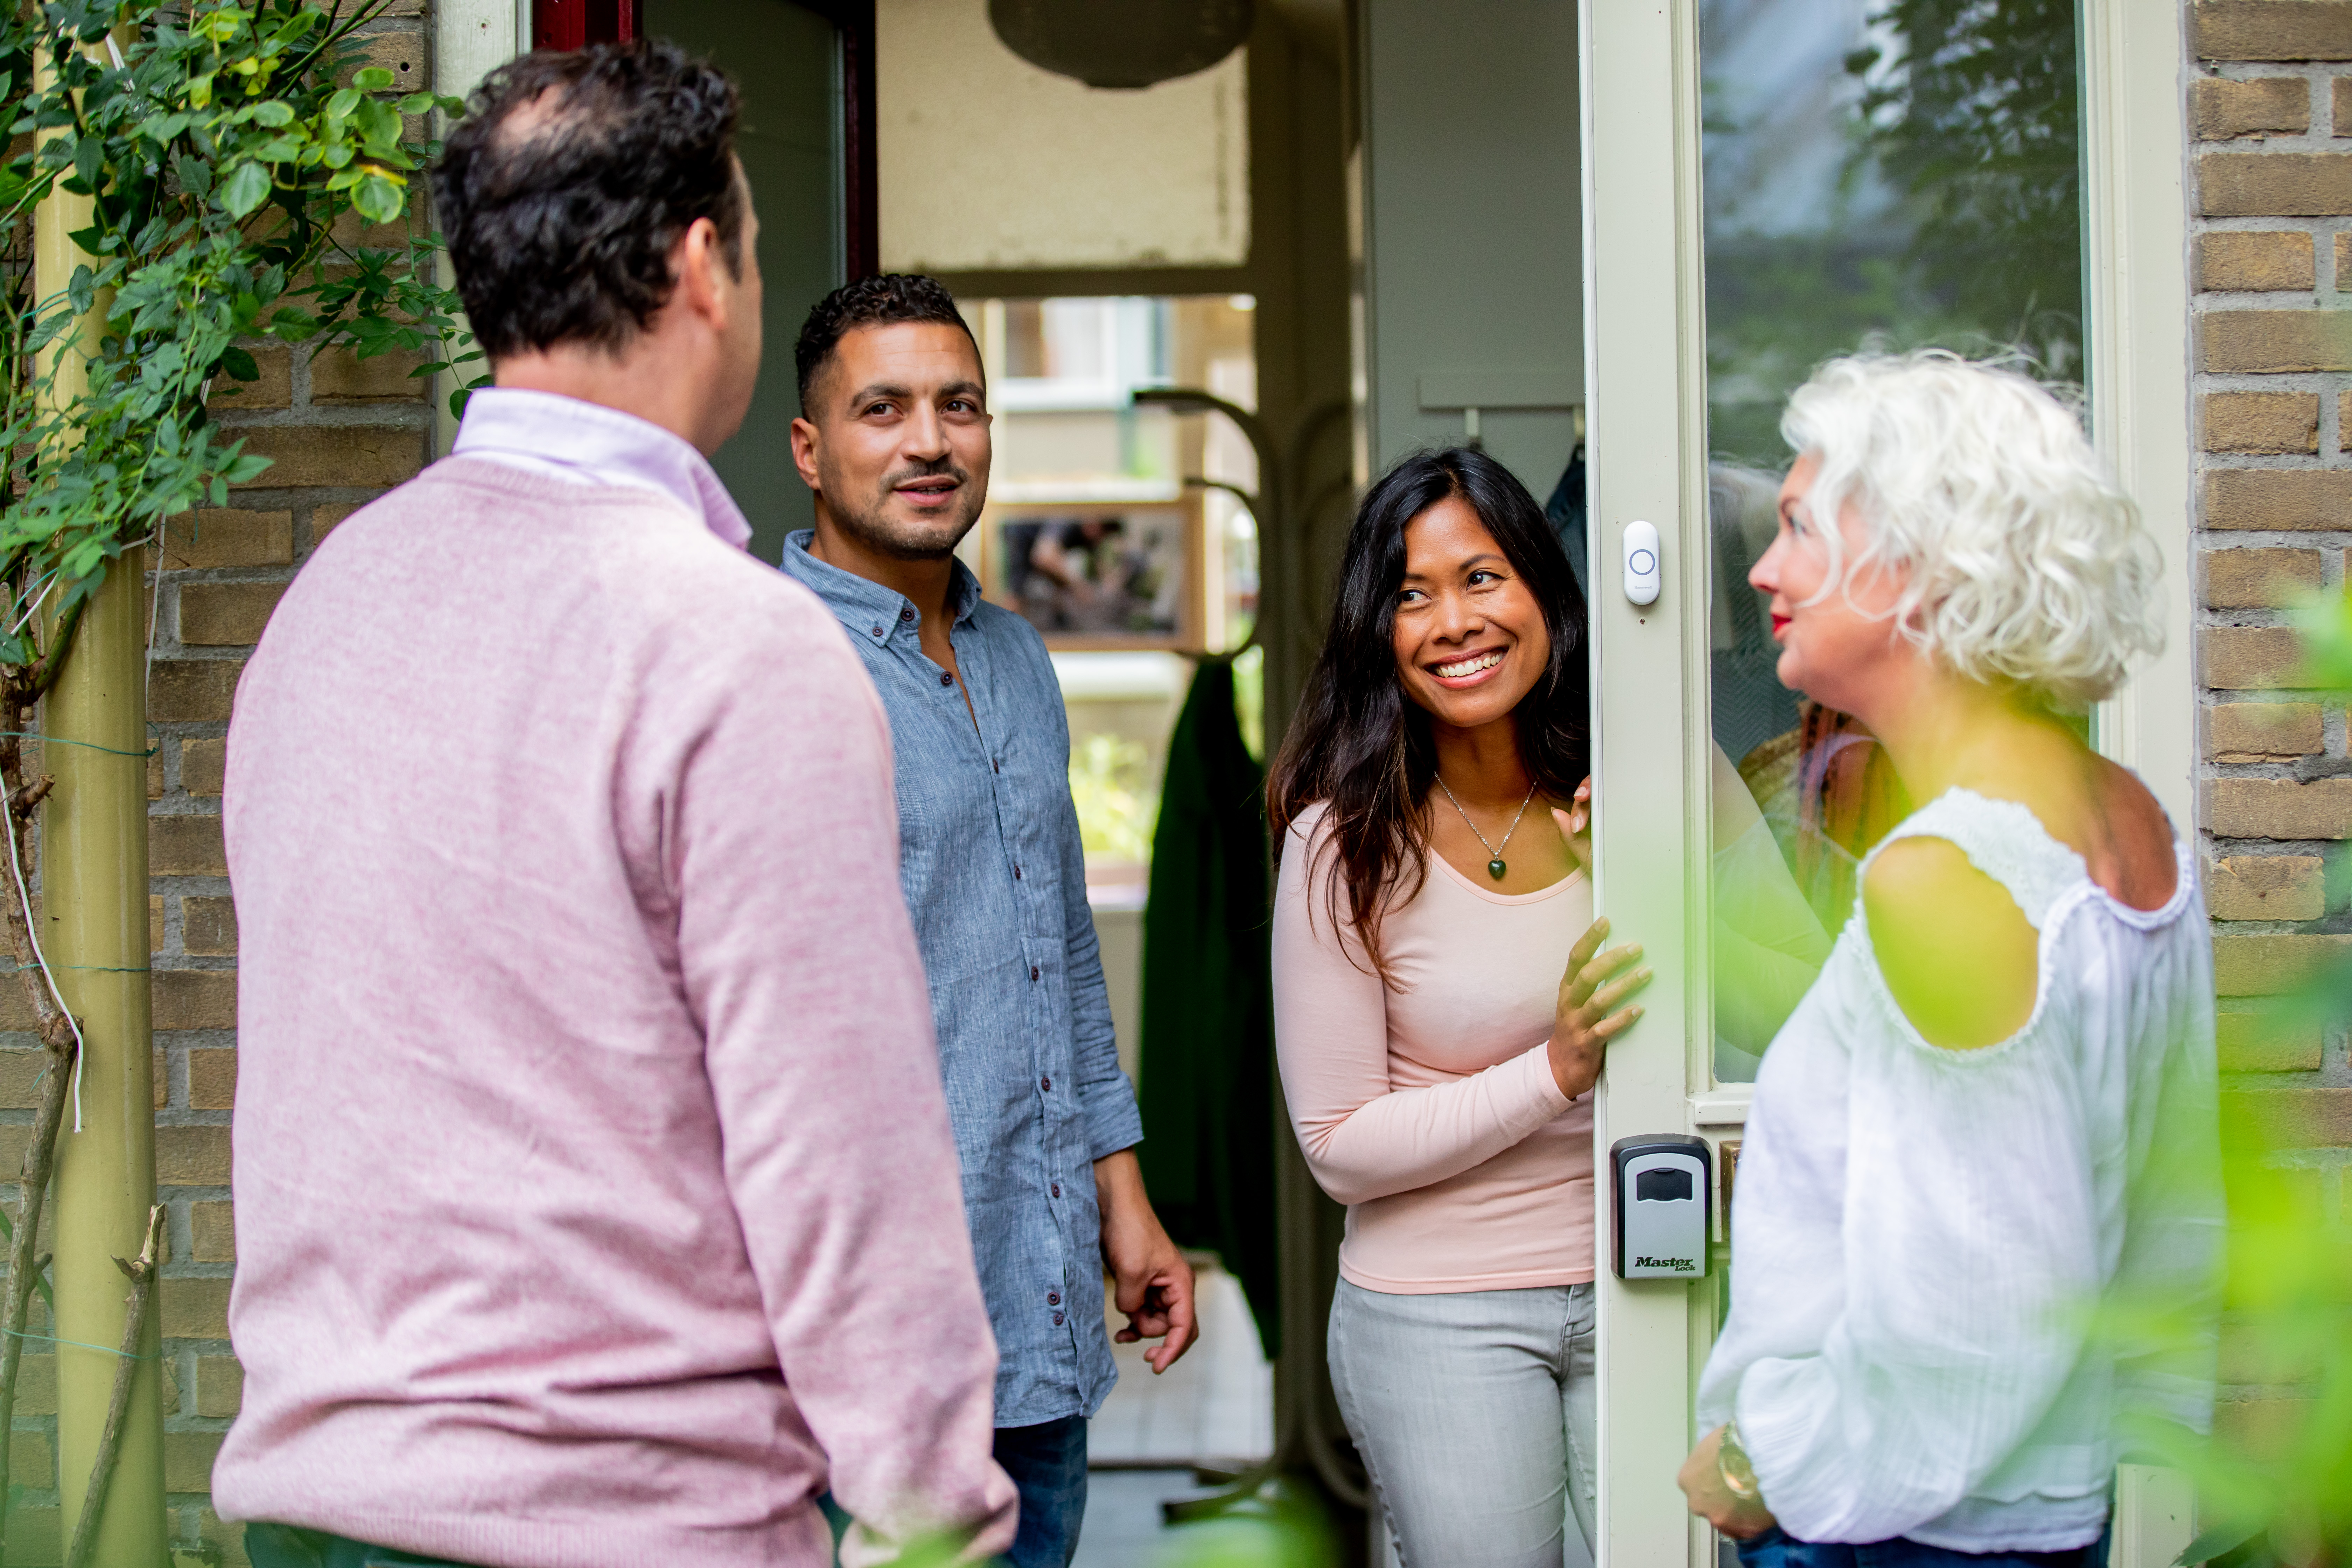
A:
1476, 1413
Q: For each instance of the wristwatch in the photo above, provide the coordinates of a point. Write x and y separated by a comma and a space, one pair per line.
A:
1731, 1459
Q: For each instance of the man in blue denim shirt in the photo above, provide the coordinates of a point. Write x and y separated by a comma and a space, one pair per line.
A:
894, 442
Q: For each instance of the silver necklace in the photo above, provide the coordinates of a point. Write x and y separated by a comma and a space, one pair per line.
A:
1495, 868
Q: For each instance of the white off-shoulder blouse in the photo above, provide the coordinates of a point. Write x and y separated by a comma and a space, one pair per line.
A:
1920, 1236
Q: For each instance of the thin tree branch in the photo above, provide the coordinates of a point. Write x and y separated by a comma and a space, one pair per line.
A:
142, 1275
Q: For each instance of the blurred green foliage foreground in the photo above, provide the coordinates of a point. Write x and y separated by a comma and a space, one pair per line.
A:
2275, 1482
1279, 1525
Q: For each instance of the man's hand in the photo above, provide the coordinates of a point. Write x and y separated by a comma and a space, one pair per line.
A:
1151, 1283
1702, 1482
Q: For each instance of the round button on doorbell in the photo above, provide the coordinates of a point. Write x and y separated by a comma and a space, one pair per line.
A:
1641, 574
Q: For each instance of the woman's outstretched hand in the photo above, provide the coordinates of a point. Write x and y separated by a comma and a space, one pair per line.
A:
1590, 1014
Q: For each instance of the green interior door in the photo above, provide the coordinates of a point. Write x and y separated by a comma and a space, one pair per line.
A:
787, 61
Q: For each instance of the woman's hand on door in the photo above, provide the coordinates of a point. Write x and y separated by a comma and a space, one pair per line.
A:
1591, 1011
1576, 826
1712, 1498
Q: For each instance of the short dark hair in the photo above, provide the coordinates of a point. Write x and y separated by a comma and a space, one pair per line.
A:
560, 228
879, 301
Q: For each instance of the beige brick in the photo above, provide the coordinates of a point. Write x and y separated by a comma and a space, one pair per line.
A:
20, 1081
2253, 579
2261, 262
2279, 808
183, 846
192, 1156
159, 1074
2274, 184
370, 456
340, 378
195, 1309
228, 538
192, 690
2272, 29
220, 1385
2264, 965
2342, 107
36, 1384
30, 1463
2316, 1118
155, 775
202, 763
229, 1539
35, 1533
208, 926
2265, 106
2266, 1042
2241, 887
274, 390
154, 922
2282, 499
2252, 659
213, 1229
16, 1001
217, 615
324, 518
2275, 342
195, 999
2261, 422
212, 1074
188, 1460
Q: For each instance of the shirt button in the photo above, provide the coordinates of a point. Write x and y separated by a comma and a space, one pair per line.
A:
946, 679
878, 631
994, 766
1016, 873
1046, 1083
1057, 1320
905, 612
1052, 1298
1033, 972
1057, 1189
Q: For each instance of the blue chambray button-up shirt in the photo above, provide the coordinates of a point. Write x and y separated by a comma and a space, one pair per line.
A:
995, 879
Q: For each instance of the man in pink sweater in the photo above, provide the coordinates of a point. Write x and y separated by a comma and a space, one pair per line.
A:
597, 1204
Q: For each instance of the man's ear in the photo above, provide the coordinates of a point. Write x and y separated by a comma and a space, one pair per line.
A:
804, 444
695, 264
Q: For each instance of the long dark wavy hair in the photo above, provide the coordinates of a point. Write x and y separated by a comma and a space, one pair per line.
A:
1361, 744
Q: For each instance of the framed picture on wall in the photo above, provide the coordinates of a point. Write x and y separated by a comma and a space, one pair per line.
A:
1109, 575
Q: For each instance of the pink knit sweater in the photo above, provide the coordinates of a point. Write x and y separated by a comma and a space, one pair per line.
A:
595, 1200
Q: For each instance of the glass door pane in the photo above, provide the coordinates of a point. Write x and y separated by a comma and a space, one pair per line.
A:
1878, 174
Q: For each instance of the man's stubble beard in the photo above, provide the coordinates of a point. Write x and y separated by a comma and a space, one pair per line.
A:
872, 527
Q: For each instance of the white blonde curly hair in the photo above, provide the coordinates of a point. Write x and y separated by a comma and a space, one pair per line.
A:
2027, 566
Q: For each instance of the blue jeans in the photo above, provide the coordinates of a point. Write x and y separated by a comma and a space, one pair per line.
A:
1048, 1463
288, 1546
1774, 1549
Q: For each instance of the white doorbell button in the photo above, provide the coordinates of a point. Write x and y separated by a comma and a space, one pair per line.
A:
1641, 575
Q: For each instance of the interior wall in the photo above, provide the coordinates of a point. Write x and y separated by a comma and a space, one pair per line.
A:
1473, 223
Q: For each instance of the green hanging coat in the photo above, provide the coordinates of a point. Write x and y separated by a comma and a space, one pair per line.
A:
1207, 1049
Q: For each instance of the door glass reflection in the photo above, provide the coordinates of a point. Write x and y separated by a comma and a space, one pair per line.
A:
1879, 174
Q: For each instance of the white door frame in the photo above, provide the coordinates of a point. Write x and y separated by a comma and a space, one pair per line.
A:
1646, 370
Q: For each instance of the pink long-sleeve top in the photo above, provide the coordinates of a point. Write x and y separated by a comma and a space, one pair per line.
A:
1427, 1104
597, 1204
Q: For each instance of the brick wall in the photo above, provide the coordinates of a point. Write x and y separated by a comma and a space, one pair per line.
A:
2271, 110
341, 432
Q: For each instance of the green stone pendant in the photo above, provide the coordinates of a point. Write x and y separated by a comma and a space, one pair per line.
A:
1496, 868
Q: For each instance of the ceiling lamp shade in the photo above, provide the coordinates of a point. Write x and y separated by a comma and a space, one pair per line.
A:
1121, 43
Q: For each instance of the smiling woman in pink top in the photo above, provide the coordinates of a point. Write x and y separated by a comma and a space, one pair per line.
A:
1440, 1007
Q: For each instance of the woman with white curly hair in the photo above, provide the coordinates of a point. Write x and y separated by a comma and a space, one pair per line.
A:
1997, 1104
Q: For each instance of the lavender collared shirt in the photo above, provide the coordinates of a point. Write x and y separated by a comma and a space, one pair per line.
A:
588, 443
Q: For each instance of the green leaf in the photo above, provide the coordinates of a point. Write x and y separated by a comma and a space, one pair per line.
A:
340, 105
376, 199
239, 364
375, 78
274, 112
414, 103
246, 187
2214, 1540
81, 290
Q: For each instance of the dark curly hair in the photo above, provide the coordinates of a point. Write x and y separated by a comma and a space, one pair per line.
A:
880, 301
569, 180
1361, 744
